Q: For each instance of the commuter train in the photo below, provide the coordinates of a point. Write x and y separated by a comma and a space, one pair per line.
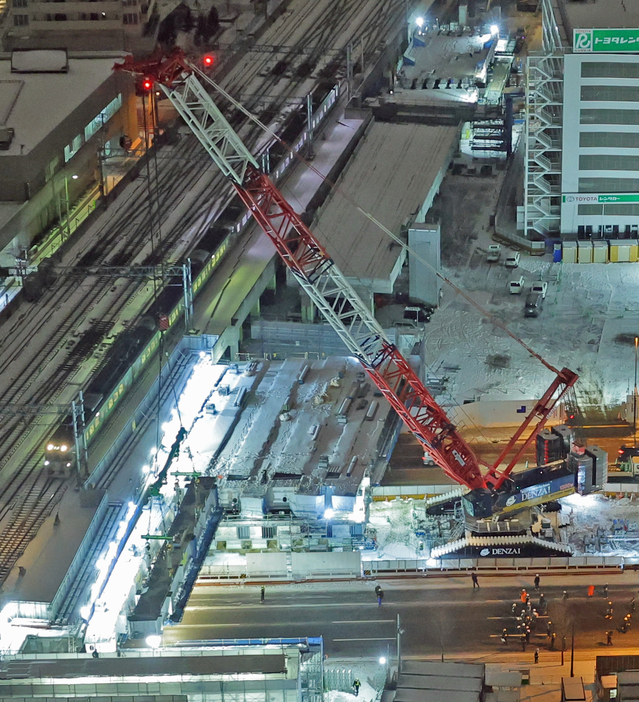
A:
59, 450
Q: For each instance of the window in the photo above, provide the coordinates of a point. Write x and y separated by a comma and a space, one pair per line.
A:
92, 127
609, 162
129, 3
60, 17
611, 140
243, 532
94, 17
607, 69
610, 93
608, 185
609, 117
624, 209
72, 149
19, 3
20, 20
269, 532
130, 18
589, 209
103, 117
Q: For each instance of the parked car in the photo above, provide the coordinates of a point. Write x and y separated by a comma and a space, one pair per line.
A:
494, 253
515, 287
534, 302
540, 287
418, 315
512, 261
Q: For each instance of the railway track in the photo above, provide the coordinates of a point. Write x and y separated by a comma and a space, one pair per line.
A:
147, 225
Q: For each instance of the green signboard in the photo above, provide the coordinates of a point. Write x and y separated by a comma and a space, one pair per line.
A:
602, 40
592, 199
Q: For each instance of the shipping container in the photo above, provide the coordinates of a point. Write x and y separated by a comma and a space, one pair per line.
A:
569, 252
584, 251
600, 252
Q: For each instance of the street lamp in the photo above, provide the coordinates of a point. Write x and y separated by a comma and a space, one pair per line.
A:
634, 400
154, 641
400, 631
494, 29
419, 22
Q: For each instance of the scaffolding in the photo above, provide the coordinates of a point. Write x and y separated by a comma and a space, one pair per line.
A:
544, 127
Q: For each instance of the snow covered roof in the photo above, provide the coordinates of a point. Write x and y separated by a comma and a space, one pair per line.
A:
389, 177
603, 13
310, 445
440, 682
35, 103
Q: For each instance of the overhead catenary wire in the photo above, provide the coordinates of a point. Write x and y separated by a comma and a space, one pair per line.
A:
336, 188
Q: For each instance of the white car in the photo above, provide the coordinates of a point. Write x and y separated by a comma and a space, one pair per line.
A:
541, 288
515, 287
494, 252
513, 260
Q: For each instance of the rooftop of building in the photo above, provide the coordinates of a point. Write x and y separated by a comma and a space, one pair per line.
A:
130, 664
601, 14
390, 177
34, 103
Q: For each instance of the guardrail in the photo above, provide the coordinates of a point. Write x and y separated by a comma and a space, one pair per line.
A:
372, 568
423, 566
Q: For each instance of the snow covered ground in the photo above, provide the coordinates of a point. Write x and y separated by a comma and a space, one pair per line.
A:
595, 526
590, 314
602, 526
340, 674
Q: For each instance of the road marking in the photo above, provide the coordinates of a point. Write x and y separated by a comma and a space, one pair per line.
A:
302, 605
511, 617
381, 638
367, 621
289, 605
209, 626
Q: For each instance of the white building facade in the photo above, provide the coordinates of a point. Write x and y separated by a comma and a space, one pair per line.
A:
582, 149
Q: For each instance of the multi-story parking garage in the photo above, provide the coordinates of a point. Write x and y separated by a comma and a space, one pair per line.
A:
582, 151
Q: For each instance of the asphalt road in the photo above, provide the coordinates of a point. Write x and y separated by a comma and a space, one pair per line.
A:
455, 619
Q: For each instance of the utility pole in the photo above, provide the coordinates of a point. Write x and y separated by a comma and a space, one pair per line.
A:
187, 284
162, 273
634, 400
400, 631
572, 653
81, 449
349, 72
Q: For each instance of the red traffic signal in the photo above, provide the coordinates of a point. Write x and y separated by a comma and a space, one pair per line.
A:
147, 84
208, 60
